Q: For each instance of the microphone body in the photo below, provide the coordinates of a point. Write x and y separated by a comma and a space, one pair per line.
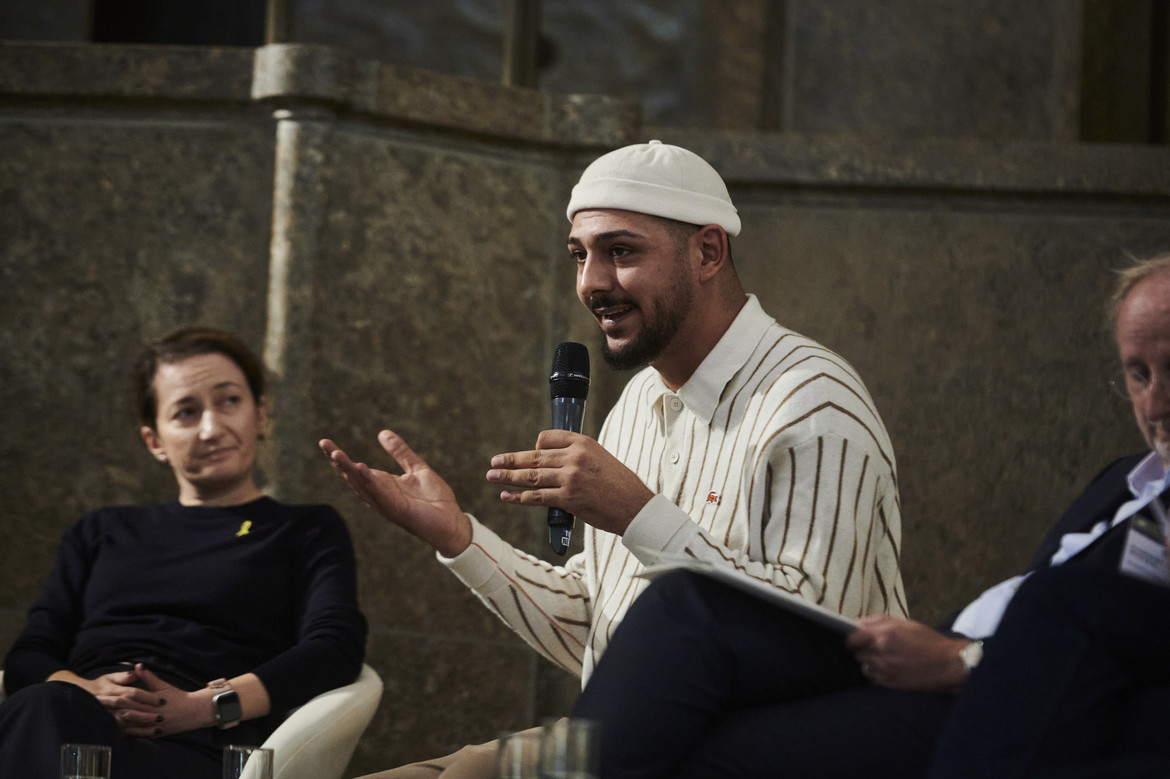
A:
568, 388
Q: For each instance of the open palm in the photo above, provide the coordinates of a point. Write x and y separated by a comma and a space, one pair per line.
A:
419, 501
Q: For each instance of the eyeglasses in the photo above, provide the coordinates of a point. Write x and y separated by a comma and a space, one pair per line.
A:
1133, 384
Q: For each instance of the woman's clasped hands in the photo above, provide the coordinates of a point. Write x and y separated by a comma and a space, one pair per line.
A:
144, 705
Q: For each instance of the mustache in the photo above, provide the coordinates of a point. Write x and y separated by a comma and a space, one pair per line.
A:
609, 301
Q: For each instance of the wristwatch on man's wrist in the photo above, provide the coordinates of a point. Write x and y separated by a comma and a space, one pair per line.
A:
971, 654
225, 704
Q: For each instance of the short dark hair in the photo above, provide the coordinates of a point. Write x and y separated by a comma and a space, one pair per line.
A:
1128, 278
680, 232
179, 345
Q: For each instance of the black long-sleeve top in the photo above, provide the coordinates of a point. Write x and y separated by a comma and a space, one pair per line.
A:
201, 593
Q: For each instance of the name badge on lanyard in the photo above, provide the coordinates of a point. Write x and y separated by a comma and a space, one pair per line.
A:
1145, 552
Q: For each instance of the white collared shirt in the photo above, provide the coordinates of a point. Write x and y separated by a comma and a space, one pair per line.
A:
981, 617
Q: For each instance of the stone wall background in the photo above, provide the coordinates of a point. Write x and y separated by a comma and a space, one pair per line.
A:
385, 222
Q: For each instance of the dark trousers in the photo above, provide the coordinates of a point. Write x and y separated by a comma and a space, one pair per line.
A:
1076, 683
701, 680
37, 719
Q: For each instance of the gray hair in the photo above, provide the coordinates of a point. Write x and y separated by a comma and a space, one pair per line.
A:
1128, 278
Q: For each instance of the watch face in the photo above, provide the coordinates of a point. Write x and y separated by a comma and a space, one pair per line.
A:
972, 654
227, 706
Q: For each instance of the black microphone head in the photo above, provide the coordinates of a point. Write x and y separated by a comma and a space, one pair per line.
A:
570, 371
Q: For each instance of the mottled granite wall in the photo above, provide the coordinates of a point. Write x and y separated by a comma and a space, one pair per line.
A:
393, 239
117, 224
989, 69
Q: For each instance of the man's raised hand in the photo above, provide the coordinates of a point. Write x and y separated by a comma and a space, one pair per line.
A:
419, 501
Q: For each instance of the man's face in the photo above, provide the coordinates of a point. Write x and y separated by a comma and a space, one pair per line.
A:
633, 276
1143, 343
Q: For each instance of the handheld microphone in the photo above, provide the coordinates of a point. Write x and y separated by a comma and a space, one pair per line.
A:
568, 386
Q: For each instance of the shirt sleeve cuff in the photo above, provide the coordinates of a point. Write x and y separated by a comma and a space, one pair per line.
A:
659, 528
479, 562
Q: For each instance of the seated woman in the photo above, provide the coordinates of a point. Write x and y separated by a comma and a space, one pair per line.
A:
161, 627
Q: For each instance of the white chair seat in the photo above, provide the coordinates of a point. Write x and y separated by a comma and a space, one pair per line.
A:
317, 740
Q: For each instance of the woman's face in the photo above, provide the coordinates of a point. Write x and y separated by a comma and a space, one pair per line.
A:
206, 429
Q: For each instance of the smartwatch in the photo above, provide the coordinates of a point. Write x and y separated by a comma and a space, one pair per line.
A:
225, 704
971, 654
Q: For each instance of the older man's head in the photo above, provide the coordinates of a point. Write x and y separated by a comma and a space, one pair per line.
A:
1141, 309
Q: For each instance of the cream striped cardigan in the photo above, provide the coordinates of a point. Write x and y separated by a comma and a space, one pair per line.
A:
771, 458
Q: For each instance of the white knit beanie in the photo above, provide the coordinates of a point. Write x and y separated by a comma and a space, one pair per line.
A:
658, 179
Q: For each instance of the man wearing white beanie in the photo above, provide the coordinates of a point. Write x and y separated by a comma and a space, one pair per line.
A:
741, 443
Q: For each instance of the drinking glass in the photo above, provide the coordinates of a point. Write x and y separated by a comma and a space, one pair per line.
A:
568, 750
85, 761
519, 755
247, 763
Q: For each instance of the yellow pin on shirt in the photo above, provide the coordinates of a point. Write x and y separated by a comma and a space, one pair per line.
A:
245, 528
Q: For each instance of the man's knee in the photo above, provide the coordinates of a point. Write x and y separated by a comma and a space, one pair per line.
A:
679, 592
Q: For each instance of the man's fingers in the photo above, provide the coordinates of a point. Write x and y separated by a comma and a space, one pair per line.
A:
341, 460
505, 460
361, 480
858, 640
525, 478
556, 439
527, 497
337, 457
397, 448
338, 460
356, 475
533, 458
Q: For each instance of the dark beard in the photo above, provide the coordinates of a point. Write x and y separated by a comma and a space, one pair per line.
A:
636, 355
649, 344
656, 335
